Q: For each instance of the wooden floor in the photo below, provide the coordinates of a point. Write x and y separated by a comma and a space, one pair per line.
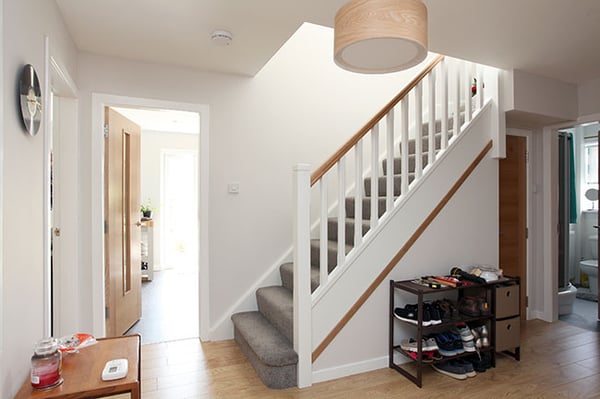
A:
558, 360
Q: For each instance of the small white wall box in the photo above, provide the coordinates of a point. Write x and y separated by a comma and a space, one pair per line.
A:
115, 369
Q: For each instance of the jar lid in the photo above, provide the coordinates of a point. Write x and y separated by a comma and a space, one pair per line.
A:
46, 346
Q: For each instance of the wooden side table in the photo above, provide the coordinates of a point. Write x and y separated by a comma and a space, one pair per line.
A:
82, 372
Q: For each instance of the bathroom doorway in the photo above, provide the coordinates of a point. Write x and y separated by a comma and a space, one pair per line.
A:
578, 225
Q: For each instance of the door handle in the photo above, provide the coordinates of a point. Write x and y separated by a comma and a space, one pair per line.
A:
57, 231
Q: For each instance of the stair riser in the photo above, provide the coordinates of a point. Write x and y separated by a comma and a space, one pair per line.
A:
332, 230
286, 272
315, 253
277, 309
366, 207
382, 188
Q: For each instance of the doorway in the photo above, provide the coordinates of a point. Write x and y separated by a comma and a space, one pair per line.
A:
98, 102
577, 207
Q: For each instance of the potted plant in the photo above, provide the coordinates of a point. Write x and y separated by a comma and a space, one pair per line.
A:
147, 209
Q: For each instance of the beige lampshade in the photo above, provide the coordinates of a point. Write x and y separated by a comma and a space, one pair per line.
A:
380, 36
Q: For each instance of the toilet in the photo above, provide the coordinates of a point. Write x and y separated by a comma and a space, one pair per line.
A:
590, 266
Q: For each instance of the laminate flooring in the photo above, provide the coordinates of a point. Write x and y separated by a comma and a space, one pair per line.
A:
169, 306
558, 360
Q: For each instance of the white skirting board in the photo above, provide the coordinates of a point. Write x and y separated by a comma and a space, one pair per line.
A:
346, 370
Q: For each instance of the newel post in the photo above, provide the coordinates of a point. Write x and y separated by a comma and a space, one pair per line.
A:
302, 300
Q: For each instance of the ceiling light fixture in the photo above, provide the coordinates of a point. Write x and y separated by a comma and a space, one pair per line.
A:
380, 36
221, 37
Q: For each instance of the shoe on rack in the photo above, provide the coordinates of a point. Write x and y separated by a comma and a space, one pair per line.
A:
434, 313
430, 344
426, 356
410, 345
410, 314
458, 342
467, 365
445, 345
448, 308
484, 306
450, 369
465, 332
469, 306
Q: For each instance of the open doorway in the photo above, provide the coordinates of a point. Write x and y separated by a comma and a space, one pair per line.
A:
578, 215
201, 300
169, 223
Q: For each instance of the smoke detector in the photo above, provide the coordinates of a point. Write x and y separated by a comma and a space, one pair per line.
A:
221, 37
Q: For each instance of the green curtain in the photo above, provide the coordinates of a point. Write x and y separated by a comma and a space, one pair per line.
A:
572, 189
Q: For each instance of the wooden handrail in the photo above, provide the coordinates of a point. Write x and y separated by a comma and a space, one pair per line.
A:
319, 172
400, 254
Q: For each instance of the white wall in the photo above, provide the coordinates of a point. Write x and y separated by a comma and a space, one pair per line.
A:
152, 144
25, 24
299, 108
588, 95
464, 233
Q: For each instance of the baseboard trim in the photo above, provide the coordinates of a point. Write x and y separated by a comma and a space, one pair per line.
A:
346, 370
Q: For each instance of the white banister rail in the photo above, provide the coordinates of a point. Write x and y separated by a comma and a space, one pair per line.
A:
445, 94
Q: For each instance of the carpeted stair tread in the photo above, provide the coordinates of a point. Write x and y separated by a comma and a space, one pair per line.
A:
276, 303
286, 271
270, 346
315, 251
366, 207
332, 229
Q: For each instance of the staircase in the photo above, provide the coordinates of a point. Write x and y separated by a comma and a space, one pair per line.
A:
266, 336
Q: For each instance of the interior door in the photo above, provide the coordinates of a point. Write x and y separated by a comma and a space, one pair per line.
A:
122, 223
598, 216
513, 213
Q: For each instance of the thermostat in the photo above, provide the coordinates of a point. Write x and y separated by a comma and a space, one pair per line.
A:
115, 369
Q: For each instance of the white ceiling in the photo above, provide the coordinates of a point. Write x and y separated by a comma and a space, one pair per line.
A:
554, 38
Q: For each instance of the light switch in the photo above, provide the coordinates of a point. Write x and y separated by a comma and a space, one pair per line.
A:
233, 188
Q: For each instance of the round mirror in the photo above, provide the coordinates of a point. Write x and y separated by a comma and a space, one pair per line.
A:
31, 99
592, 194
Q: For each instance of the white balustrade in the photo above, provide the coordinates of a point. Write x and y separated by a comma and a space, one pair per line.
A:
418, 108
389, 181
358, 193
374, 176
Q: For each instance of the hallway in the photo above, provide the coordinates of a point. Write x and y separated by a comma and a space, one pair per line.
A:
169, 306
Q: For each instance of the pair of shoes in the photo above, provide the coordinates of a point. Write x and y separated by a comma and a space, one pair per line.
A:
435, 314
426, 356
447, 308
480, 361
449, 344
466, 335
410, 345
480, 335
455, 369
410, 313
474, 306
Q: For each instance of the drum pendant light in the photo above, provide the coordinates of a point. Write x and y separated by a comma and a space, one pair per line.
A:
380, 36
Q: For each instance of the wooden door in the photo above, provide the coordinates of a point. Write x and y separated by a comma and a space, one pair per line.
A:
598, 218
513, 213
122, 224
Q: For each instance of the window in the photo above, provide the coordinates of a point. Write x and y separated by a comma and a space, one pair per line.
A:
590, 149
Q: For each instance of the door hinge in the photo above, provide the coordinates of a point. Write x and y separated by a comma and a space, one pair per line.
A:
105, 227
526, 233
527, 301
105, 131
526, 156
106, 312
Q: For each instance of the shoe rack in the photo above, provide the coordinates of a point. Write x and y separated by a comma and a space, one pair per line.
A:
502, 321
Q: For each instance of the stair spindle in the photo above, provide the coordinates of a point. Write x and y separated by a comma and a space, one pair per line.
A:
444, 99
358, 196
323, 236
374, 176
431, 136
419, 131
456, 127
404, 145
389, 201
341, 236
468, 76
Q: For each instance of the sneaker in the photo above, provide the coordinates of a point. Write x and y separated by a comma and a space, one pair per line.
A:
410, 345
410, 314
467, 365
458, 342
434, 313
450, 369
430, 344
469, 346
426, 356
465, 332
445, 345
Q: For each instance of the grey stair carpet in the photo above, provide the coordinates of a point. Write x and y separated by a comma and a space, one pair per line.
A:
266, 336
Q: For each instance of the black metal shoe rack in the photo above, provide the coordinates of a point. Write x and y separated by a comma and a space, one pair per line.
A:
421, 292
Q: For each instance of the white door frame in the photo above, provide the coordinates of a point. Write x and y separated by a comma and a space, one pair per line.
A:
99, 101
59, 83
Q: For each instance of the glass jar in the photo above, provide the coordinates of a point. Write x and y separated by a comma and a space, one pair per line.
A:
46, 364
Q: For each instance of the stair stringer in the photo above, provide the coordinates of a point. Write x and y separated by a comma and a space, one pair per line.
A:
331, 304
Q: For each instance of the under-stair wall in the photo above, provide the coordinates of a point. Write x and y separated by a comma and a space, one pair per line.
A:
464, 233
